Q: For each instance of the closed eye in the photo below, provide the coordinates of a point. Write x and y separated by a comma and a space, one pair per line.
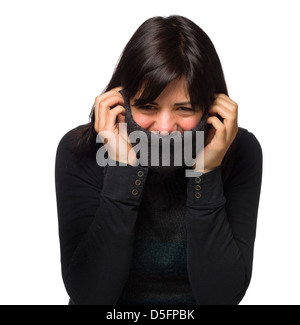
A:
186, 108
151, 107
148, 107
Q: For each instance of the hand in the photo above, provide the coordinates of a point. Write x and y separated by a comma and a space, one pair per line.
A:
221, 136
115, 139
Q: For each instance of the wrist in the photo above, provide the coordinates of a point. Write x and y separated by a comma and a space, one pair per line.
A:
208, 170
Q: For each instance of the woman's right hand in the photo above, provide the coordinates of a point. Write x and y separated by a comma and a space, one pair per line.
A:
116, 141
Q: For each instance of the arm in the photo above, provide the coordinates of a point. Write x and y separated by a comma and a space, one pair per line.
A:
95, 225
221, 227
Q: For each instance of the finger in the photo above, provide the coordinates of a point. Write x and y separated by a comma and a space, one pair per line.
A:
111, 101
104, 106
226, 110
225, 97
224, 132
112, 92
219, 127
112, 115
100, 121
230, 118
106, 95
117, 88
215, 121
226, 103
221, 110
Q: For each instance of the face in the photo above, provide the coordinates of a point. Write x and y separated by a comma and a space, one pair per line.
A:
170, 111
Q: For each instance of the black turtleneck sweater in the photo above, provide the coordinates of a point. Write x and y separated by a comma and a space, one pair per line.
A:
129, 235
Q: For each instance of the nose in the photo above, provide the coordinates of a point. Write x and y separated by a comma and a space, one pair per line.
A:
165, 123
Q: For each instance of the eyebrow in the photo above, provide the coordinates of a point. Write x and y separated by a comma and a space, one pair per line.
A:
183, 103
176, 104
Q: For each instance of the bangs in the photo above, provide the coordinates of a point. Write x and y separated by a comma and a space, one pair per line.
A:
153, 84
148, 86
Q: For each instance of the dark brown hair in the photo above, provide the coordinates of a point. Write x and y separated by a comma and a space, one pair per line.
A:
160, 51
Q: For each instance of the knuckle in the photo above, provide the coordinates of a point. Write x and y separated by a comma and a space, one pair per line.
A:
116, 92
232, 116
235, 106
110, 112
101, 105
223, 128
216, 100
97, 98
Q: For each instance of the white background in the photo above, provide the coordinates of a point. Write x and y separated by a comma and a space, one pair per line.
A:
57, 56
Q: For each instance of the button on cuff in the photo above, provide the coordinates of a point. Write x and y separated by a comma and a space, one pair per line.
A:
207, 190
140, 173
134, 192
124, 183
137, 182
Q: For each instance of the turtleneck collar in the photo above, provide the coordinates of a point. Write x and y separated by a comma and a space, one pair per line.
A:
156, 145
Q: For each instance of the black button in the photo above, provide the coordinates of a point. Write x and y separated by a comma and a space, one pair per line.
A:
197, 187
197, 179
198, 195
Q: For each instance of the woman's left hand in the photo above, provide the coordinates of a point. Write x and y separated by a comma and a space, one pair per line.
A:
220, 136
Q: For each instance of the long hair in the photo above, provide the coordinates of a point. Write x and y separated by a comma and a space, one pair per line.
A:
161, 50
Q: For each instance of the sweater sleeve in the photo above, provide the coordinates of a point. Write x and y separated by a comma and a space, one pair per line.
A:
221, 227
97, 210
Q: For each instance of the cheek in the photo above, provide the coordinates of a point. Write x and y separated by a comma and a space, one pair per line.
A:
142, 120
189, 123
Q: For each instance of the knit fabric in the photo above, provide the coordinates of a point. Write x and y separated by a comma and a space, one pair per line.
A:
159, 267
155, 142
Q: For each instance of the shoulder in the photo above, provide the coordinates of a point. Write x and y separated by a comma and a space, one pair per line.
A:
248, 148
247, 158
78, 143
66, 160
68, 140
64, 153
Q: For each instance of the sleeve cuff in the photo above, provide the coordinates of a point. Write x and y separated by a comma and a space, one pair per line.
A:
206, 189
124, 183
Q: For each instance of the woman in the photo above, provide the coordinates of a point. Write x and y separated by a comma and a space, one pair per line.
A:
133, 233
